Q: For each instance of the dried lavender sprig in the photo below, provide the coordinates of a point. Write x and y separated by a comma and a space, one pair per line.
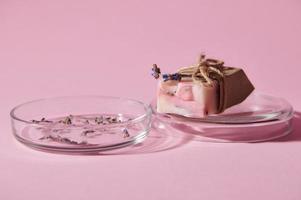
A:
42, 120
156, 72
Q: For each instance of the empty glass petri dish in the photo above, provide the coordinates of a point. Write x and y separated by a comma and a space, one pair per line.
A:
260, 117
81, 124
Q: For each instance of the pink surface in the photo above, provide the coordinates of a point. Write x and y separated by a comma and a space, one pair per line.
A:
61, 47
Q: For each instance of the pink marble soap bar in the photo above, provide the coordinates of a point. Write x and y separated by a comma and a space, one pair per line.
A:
187, 98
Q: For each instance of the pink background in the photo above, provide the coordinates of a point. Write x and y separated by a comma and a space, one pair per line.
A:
66, 47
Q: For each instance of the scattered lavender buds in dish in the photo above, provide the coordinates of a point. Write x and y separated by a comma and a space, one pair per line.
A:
81, 124
80, 127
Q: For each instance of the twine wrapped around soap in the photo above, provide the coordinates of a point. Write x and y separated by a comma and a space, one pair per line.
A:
201, 72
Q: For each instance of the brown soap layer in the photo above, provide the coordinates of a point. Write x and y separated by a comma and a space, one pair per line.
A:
234, 87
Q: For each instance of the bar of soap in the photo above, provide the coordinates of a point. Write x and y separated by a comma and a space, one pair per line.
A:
186, 98
205, 88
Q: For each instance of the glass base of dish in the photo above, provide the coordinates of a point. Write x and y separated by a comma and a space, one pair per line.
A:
259, 118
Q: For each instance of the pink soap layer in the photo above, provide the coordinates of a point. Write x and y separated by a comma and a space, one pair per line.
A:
187, 98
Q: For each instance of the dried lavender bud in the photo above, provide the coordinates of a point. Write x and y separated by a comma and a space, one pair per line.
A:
125, 133
156, 71
67, 120
35, 121
87, 132
42, 120
98, 120
47, 121
175, 77
113, 120
166, 77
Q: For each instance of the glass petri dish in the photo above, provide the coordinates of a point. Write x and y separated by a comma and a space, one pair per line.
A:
259, 118
81, 124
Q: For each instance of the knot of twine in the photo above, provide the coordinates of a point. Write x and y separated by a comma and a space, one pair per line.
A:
200, 72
